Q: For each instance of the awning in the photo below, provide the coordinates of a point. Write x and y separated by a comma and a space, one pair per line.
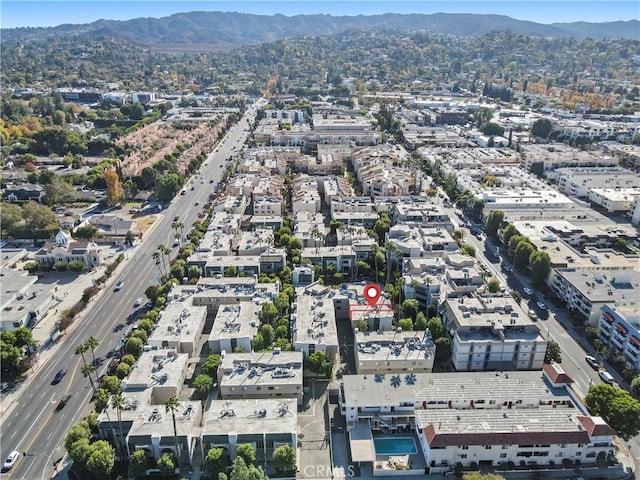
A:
608, 317
622, 329
635, 341
361, 442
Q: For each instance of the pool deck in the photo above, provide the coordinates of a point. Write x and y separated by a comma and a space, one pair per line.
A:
416, 460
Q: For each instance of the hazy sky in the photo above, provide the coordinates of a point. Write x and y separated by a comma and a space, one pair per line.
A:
38, 13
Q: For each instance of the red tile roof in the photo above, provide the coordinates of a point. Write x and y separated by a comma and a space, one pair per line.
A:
435, 439
556, 374
596, 426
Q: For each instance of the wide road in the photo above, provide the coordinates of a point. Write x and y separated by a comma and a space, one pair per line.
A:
34, 426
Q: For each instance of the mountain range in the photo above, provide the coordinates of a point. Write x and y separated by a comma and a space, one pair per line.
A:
225, 29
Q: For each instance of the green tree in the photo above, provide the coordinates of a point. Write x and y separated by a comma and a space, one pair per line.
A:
522, 254
494, 221
38, 218
10, 219
203, 384
167, 186
75, 433
268, 313
540, 266
123, 370
138, 463
80, 451
92, 343
508, 232
435, 327
553, 353
211, 364
421, 322
216, 460
134, 346
101, 399
635, 386
542, 128
171, 405
58, 191
241, 471
247, 453
482, 476
112, 384
87, 369
492, 129
284, 458
617, 407
318, 363
493, 285
406, 324
410, 308
167, 465
443, 349
102, 458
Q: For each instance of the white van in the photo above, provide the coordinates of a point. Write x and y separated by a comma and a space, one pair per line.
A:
606, 377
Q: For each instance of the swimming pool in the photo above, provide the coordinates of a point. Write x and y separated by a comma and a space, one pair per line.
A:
395, 446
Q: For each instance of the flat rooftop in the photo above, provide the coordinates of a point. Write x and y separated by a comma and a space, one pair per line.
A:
236, 321
261, 368
604, 286
251, 416
392, 345
315, 316
181, 321
483, 311
157, 367
391, 389
152, 420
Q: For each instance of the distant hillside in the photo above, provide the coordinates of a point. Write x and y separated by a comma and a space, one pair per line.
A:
237, 29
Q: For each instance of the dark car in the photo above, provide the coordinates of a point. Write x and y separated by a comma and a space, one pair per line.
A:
61, 373
63, 401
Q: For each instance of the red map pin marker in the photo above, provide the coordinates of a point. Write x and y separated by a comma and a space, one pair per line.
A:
372, 294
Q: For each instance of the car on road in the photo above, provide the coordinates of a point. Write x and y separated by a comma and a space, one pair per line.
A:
176, 218
138, 302
119, 286
63, 401
197, 203
527, 290
59, 376
593, 363
10, 461
541, 305
606, 377
507, 268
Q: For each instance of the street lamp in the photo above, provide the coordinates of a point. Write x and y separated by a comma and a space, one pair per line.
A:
50, 457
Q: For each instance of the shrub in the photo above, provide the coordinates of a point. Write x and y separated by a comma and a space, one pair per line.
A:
61, 266
76, 266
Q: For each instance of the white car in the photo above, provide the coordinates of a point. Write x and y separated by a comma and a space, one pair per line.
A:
527, 290
541, 306
138, 302
10, 461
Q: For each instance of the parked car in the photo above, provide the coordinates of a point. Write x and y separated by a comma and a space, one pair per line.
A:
10, 461
606, 377
541, 305
138, 302
527, 290
63, 401
593, 363
59, 376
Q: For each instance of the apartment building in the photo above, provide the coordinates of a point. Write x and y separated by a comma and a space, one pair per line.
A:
559, 155
314, 322
342, 258
161, 372
491, 333
420, 211
418, 241
393, 351
305, 196
272, 374
615, 199
619, 329
587, 291
480, 418
263, 423
578, 182
179, 327
235, 326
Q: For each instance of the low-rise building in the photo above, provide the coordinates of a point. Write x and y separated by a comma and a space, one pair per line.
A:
161, 372
272, 374
492, 333
313, 321
471, 419
179, 327
23, 301
393, 351
63, 249
235, 326
263, 423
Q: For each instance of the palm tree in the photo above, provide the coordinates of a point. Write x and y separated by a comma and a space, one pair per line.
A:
87, 369
171, 405
81, 349
117, 402
92, 343
156, 257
